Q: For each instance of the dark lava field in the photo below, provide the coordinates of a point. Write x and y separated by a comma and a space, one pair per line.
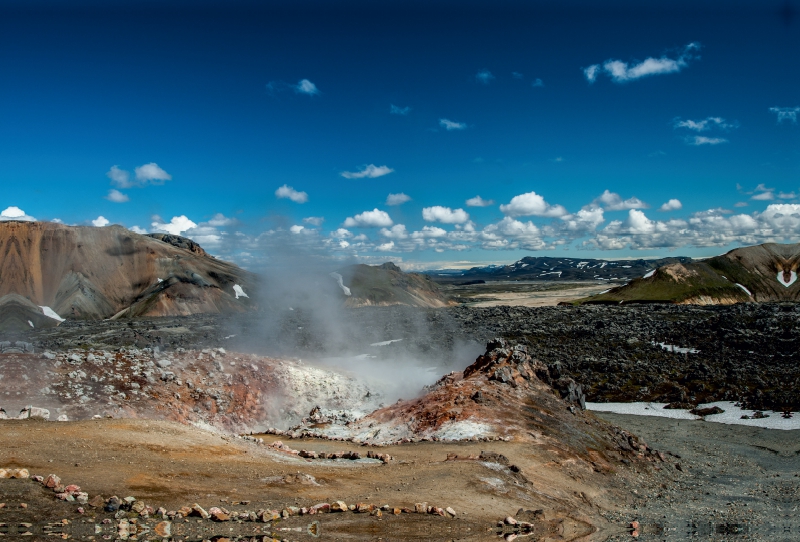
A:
745, 352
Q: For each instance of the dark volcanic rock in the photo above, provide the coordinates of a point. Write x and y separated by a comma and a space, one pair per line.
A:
662, 353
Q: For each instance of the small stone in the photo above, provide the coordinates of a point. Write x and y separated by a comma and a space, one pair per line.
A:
163, 529
52, 481
199, 511
450, 511
217, 514
339, 506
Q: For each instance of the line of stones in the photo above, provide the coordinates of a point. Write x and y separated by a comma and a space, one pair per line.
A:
306, 433
73, 493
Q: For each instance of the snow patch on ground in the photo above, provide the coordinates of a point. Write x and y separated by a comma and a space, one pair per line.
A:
239, 292
340, 282
792, 279
677, 349
30, 323
745, 289
384, 343
649, 274
50, 313
732, 415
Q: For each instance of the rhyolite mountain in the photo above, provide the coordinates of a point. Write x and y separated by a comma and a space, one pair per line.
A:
760, 273
559, 269
111, 272
387, 284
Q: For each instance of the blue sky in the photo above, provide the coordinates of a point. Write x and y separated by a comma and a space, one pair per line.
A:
605, 132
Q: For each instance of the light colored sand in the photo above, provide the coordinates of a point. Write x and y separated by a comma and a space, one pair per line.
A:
536, 299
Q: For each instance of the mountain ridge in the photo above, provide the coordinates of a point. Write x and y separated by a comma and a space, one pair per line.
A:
759, 273
93, 273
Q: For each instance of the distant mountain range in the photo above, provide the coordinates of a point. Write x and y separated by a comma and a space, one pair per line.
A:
564, 269
760, 273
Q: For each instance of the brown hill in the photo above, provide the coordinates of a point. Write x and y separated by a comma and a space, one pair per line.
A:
762, 273
387, 284
93, 273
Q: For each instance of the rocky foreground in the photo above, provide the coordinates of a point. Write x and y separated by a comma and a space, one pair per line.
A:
664, 353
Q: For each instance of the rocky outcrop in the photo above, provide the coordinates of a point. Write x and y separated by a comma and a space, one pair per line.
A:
387, 284
51, 271
504, 395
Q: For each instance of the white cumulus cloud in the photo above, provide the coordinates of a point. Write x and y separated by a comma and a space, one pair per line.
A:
15, 213
219, 220
143, 175
532, 204
137, 229
370, 172
119, 177
622, 72
341, 233
116, 196
445, 215
397, 199
100, 221
429, 232
287, 192
314, 220
449, 125
398, 231
671, 205
611, 201
151, 173
176, 226
703, 140
304, 86
762, 193
296, 229
385, 247
369, 219
478, 201
511, 234
705, 124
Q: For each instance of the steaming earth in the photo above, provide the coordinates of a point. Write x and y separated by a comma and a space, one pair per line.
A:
715, 479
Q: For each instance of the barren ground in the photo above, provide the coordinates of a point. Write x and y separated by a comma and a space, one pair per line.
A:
527, 294
169, 464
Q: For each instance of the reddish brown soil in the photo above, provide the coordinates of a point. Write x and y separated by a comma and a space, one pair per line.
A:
169, 464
